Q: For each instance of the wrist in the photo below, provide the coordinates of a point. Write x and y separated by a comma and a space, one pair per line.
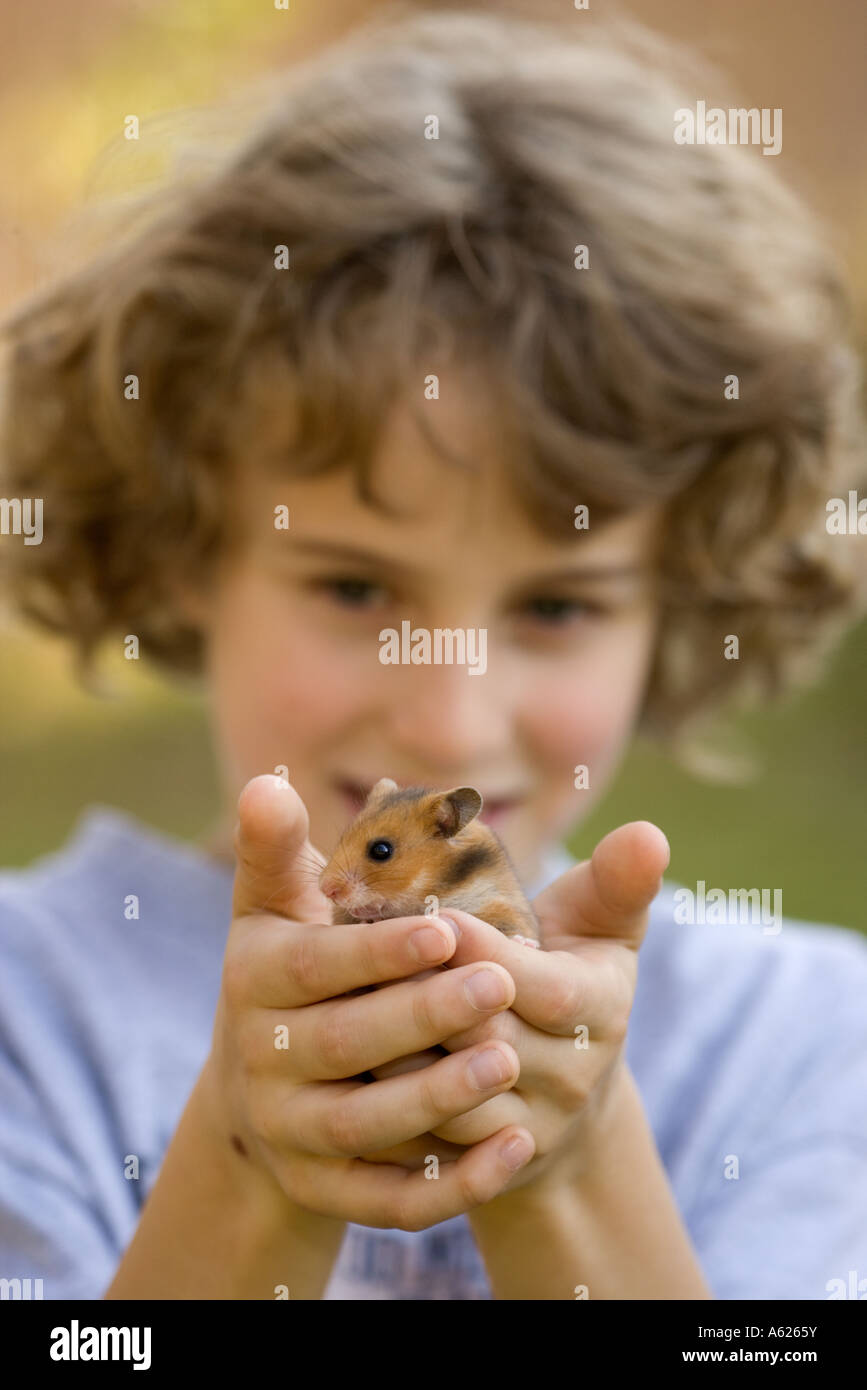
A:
604, 1227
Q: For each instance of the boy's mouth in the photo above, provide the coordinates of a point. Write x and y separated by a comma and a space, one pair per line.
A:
494, 810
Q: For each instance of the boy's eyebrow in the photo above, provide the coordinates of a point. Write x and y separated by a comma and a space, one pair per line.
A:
358, 555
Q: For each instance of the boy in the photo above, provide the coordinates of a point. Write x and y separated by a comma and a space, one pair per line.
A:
448, 344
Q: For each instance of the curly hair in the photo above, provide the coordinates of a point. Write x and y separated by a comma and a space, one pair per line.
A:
702, 266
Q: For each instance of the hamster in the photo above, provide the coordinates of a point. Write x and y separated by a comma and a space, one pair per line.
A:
412, 850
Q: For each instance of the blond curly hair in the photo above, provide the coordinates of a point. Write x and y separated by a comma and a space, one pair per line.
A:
702, 266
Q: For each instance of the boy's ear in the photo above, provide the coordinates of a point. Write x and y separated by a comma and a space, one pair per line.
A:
455, 809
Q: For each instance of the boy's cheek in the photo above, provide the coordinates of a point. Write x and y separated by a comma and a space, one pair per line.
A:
265, 720
274, 686
580, 737
591, 710
590, 730
293, 716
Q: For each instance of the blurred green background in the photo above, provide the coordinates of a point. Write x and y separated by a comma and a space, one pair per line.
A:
65, 88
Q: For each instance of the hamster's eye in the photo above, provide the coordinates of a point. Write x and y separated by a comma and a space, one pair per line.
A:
380, 849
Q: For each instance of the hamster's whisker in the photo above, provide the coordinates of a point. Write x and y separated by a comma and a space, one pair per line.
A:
279, 889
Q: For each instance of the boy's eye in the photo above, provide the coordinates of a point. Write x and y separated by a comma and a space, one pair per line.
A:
549, 611
350, 590
556, 612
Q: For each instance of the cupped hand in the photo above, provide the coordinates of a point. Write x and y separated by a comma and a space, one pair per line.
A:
297, 1026
567, 1023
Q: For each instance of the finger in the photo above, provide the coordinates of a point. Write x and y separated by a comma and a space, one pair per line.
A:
555, 990
343, 1037
374, 1194
555, 1083
417, 1153
414, 1062
509, 1108
533, 1046
277, 867
290, 964
389, 1112
609, 894
552, 1068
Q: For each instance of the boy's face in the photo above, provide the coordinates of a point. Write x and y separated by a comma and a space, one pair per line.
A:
294, 624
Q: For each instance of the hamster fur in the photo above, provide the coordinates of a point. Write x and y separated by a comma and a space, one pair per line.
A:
409, 846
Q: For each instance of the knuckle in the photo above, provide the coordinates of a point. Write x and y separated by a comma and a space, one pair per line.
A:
423, 1009
335, 1044
563, 1003
409, 1216
296, 1190
429, 1096
342, 1130
469, 1193
305, 966
577, 1091
295, 1177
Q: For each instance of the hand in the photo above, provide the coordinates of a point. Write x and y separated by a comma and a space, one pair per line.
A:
592, 920
302, 1115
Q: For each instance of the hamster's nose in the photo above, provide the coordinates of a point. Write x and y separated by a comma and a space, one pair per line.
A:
332, 891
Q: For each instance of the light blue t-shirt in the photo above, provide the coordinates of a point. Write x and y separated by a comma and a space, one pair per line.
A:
749, 1049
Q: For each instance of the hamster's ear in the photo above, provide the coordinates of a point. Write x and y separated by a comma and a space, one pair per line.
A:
455, 809
384, 785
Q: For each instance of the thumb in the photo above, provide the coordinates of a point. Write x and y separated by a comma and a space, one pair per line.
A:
277, 867
609, 894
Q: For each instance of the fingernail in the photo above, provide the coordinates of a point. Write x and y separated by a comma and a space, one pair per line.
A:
485, 990
488, 1069
516, 1153
450, 921
427, 945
